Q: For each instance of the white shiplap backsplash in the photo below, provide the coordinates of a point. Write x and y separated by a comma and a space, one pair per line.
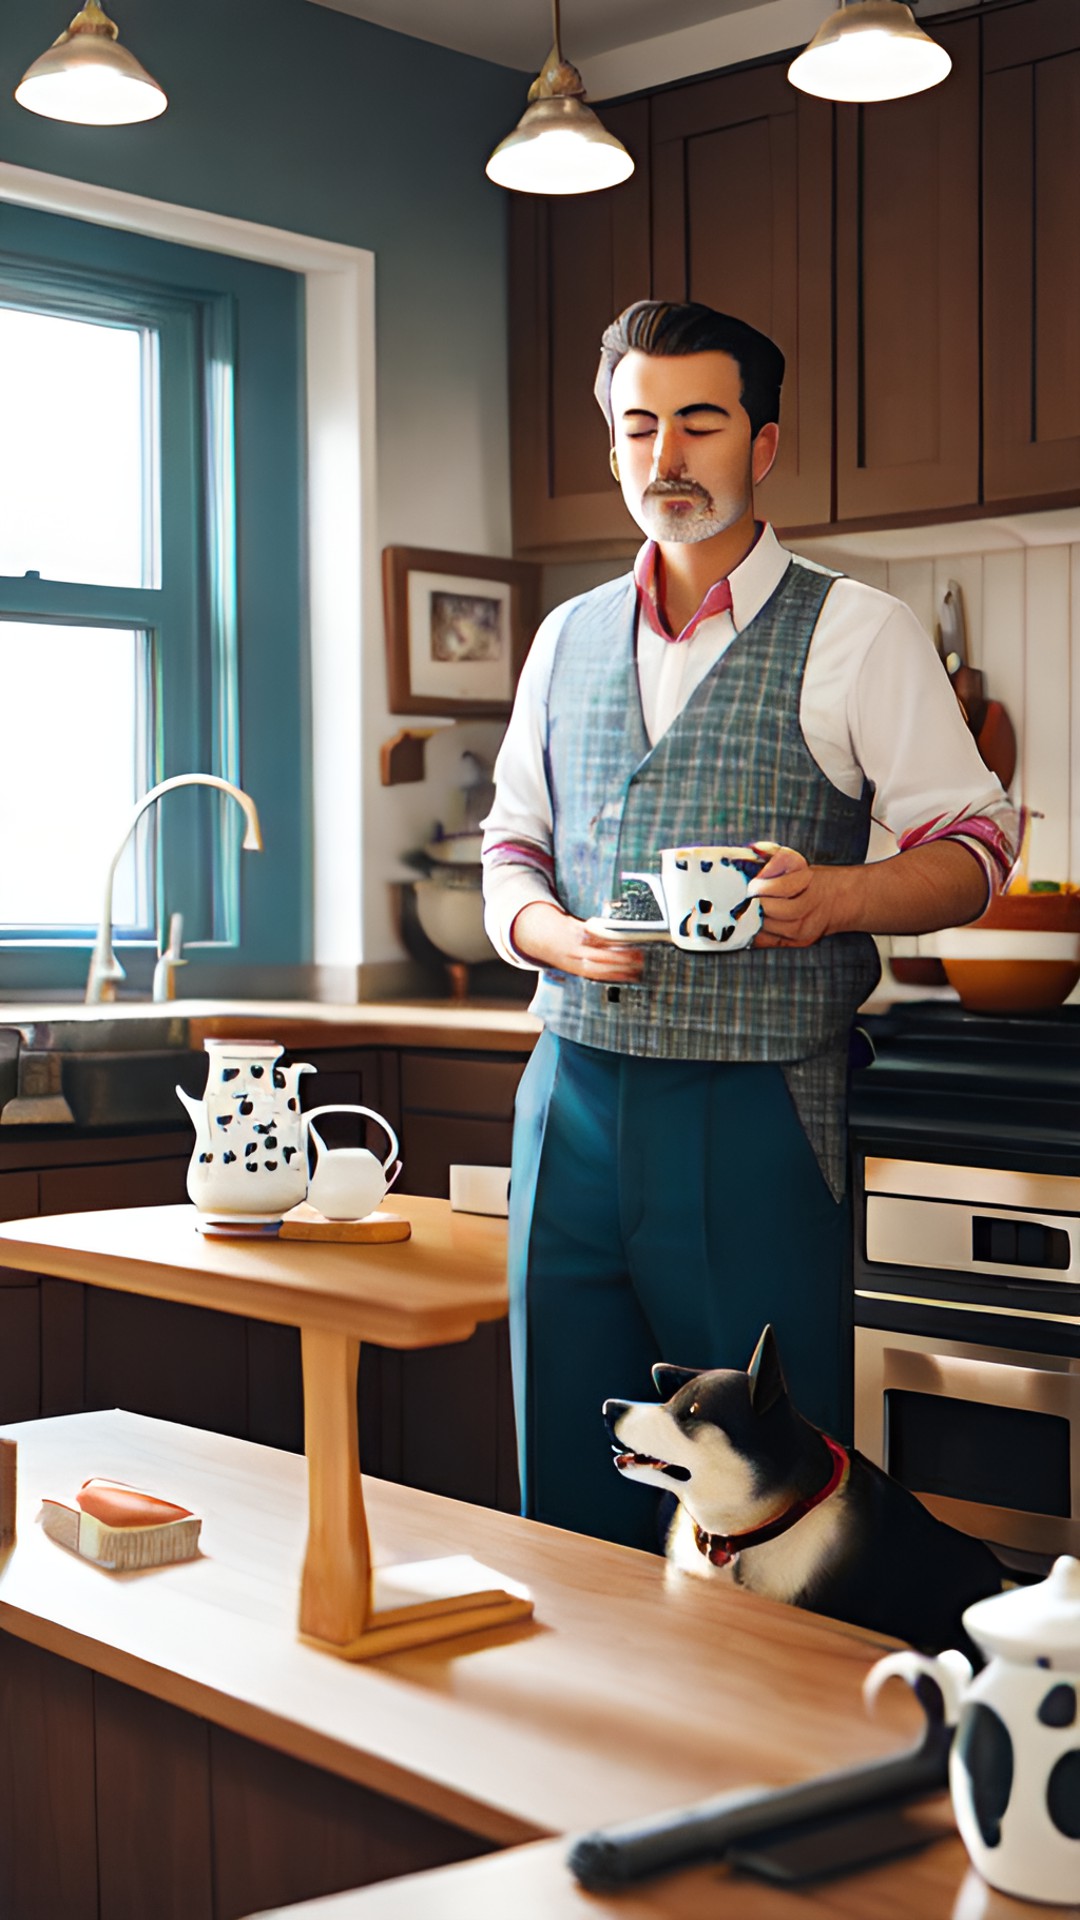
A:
1020, 580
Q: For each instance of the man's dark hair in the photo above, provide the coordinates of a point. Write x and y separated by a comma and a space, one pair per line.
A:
671, 327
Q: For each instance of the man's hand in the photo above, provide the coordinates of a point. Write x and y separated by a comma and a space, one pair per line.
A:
941, 884
798, 902
554, 939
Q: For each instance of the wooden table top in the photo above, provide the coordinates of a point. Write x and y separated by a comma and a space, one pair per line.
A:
533, 1883
431, 1288
635, 1688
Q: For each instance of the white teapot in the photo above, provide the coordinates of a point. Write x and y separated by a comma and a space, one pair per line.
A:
249, 1165
347, 1183
1014, 1769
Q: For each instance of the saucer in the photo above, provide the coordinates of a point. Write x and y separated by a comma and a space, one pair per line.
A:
624, 932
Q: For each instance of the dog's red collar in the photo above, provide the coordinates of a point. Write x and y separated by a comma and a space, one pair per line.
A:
719, 1548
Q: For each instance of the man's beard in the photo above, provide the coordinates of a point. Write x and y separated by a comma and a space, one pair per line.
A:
706, 517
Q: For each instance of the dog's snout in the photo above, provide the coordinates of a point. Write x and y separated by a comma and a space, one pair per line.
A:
613, 1411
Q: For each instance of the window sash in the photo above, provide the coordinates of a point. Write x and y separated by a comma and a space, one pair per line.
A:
192, 694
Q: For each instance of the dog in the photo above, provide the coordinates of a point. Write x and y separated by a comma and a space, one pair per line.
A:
787, 1512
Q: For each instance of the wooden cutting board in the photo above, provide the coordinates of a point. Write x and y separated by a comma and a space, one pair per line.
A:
306, 1223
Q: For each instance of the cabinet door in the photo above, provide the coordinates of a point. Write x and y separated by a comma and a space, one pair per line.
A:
1031, 254
907, 296
575, 262
456, 1109
742, 220
20, 1347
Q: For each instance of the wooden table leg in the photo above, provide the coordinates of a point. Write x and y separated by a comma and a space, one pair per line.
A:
335, 1589
345, 1608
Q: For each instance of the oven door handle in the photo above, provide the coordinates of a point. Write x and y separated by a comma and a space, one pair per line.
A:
994, 1382
991, 1383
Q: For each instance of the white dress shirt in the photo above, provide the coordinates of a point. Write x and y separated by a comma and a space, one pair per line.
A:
876, 705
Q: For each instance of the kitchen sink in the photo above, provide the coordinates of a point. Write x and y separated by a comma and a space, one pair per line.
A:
107, 1072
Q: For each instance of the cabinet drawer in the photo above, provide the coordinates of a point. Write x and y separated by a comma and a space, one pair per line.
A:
139, 1183
449, 1083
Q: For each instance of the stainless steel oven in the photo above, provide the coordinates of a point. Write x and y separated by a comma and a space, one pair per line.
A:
967, 1343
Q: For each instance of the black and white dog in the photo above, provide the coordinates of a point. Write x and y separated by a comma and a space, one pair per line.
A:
790, 1513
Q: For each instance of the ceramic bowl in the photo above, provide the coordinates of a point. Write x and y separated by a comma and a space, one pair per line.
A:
453, 919
1022, 955
456, 850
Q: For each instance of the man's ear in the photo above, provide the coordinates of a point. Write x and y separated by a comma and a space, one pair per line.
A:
767, 1384
667, 1380
764, 451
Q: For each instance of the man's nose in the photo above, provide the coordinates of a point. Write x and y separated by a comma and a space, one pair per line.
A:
669, 458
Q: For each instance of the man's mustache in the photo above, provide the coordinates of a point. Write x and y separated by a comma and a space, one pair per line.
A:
685, 489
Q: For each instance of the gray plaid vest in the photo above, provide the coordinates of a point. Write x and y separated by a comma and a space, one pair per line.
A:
733, 767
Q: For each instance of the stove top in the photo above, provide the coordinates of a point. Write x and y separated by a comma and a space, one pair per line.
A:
983, 1089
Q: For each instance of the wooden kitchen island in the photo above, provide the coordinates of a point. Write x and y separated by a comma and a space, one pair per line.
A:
169, 1746
533, 1883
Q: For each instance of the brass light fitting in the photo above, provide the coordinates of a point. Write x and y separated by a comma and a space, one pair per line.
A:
559, 145
869, 50
88, 78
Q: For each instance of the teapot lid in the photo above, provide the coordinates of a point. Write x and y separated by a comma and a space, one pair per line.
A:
1033, 1623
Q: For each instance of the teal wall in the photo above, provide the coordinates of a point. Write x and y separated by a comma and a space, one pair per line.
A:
296, 116
301, 117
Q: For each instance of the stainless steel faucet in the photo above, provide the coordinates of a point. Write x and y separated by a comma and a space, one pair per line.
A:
105, 969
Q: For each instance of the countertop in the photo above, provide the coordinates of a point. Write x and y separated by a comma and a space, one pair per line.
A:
634, 1688
534, 1883
498, 1026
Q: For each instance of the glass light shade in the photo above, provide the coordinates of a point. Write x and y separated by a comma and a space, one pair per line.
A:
559, 146
869, 50
86, 77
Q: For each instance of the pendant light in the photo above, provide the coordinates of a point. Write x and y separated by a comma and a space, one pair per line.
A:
559, 145
88, 78
869, 50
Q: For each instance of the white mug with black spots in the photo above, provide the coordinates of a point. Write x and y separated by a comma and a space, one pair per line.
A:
702, 895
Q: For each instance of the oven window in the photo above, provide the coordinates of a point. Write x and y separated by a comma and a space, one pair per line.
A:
967, 1450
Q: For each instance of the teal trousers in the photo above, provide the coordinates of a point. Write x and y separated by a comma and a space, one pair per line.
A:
659, 1210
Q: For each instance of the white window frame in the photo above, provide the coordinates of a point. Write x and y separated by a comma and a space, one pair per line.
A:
343, 607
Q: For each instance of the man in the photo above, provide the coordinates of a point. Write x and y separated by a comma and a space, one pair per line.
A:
679, 1149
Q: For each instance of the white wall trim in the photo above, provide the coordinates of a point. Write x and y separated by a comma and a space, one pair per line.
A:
342, 561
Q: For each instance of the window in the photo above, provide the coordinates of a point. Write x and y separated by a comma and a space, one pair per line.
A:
150, 617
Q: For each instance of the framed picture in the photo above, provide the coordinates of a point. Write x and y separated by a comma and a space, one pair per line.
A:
458, 627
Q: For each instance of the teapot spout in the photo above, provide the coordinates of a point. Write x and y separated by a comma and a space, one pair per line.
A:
196, 1112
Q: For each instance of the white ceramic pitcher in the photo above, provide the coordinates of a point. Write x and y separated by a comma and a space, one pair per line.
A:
347, 1183
1014, 1768
249, 1165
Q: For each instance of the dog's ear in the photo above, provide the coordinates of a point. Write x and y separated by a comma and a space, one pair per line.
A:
667, 1380
767, 1383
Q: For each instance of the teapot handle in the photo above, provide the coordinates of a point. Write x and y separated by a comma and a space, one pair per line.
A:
949, 1673
369, 1114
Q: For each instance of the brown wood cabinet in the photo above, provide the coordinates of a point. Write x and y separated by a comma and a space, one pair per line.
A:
115, 1805
742, 221
1031, 253
913, 391
907, 296
575, 262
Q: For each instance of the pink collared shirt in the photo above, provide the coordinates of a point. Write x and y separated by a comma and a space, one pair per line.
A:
648, 578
